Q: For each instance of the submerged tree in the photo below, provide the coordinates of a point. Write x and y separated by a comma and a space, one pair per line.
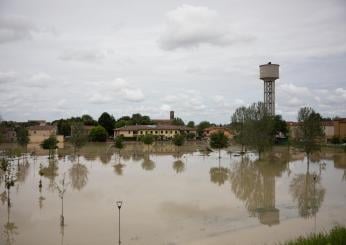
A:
178, 140
148, 164
238, 120
219, 141
50, 144
148, 140
79, 136
219, 175
62, 189
310, 134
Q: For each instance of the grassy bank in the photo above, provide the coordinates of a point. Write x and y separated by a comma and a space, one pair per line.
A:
336, 236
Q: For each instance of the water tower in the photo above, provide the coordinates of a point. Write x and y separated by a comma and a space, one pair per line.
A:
269, 73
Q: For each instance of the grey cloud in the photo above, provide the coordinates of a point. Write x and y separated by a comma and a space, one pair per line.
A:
7, 77
83, 55
14, 28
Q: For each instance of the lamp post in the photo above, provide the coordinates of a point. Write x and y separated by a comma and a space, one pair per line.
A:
119, 204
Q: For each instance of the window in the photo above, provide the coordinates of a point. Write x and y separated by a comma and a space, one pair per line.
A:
161, 132
166, 132
129, 132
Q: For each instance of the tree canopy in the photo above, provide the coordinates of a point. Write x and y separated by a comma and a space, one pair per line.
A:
98, 134
107, 122
22, 136
78, 137
310, 130
178, 121
201, 126
218, 140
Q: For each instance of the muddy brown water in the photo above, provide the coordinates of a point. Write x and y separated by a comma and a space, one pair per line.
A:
173, 196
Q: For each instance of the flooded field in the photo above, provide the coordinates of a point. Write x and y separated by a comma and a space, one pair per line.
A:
172, 196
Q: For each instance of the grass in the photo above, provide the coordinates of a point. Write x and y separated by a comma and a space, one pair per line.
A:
336, 236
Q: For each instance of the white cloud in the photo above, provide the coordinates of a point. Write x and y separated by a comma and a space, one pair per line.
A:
132, 94
106, 92
14, 28
190, 26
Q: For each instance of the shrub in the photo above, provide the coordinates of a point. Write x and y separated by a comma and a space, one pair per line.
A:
98, 134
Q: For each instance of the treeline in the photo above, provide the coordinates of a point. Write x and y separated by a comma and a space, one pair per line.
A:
255, 128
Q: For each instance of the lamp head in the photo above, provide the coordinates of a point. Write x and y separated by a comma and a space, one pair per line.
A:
119, 203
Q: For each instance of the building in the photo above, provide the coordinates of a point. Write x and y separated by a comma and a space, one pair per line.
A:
160, 131
8, 135
340, 128
165, 121
208, 131
335, 128
38, 133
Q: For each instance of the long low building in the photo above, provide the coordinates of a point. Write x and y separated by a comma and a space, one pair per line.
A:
39, 133
161, 131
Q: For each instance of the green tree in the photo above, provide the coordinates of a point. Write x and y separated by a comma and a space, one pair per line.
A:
178, 140
218, 140
22, 136
259, 128
64, 127
311, 131
148, 139
79, 136
280, 125
238, 119
191, 124
50, 144
98, 134
118, 144
107, 121
201, 126
88, 120
178, 121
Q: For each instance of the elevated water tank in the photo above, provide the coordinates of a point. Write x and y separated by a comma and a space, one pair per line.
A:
269, 72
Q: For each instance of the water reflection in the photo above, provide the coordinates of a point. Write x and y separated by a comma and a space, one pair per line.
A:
78, 175
148, 164
119, 168
253, 182
10, 229
308, 192
219, 175
179, 166
50, 172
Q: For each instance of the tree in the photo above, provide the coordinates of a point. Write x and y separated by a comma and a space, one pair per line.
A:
107, 121
178, 140
310, 131
259, 128
98, 134
118, 144
191, 124
201, 126
64, 127
238, 120
50, 144
218, 141
88, 120
178, 121
78, 136
148, 139
22, 136
280, 125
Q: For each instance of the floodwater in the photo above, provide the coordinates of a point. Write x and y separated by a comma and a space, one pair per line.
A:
173, 196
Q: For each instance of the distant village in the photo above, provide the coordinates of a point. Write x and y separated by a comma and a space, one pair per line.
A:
132, 128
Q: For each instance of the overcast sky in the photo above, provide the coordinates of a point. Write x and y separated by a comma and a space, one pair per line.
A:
199, 58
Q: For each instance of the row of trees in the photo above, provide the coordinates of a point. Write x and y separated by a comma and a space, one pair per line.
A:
257, 129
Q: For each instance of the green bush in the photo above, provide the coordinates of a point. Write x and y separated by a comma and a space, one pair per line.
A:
98, 134
337, 236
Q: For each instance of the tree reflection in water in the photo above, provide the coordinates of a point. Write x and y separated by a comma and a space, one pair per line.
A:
148, 164
219, 175
50, 172
10, 229
179, 166
308, 192
253, 182
119, 168
79, 175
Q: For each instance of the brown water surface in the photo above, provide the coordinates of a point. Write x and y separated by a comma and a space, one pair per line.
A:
172, 196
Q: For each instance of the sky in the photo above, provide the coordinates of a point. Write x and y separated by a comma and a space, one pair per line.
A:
199, 58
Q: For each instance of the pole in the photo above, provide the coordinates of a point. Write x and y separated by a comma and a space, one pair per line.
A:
119, 228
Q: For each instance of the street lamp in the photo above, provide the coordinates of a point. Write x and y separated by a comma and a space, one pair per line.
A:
119, 204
